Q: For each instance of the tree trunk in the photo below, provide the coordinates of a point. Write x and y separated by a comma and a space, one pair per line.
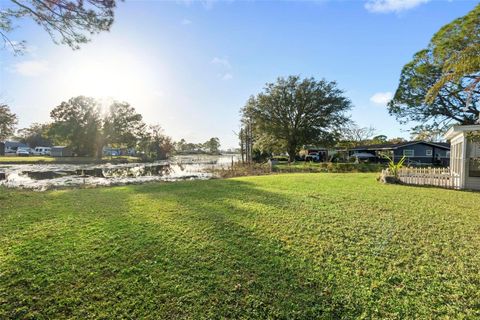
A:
242, 146
292, 152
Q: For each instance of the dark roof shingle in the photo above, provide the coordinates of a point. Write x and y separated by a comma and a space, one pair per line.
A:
386, 146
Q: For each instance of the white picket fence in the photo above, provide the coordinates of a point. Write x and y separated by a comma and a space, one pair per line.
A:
438, 177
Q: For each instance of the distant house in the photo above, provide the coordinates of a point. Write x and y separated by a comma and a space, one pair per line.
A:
109, 151
61, 151
416, 152
2, 148
12, 146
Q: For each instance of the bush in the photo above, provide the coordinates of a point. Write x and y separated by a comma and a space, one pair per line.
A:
329, 167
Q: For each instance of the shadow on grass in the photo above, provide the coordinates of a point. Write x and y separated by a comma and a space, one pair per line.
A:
163, 251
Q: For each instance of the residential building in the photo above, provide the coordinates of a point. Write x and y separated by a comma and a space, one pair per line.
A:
416, 152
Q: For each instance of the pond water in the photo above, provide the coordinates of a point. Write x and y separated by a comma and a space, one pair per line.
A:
49, 176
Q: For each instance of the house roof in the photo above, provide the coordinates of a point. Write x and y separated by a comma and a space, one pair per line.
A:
309, 147
13, 144
453, 131
393, 146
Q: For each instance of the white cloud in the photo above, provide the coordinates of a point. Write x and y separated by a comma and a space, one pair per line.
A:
381, 98
223, 67
30, 68
222, 62
186, 22
386, 6
227, 76
206, 4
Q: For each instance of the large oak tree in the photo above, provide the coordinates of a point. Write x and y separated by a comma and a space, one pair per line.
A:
456, 46
123, 125
298, 112
449, 105
80, 124
77, 123
440, 85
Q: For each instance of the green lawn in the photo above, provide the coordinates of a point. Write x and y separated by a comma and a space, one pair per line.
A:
32, 159
298, 246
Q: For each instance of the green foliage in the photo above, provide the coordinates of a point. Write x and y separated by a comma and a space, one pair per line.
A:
8, 121
68, 22
456, 47
331, 167
408, 103
393, 166
379, 139
298, 246
427, 134
268, 144
154, 144
80, 124
35, 135
473, 136
212, 146
122, 126
298, 112
439, 85
77, 123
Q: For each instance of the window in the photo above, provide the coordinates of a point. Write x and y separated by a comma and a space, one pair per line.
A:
429, 152
473, 151
448, 154
408, 153
474, 167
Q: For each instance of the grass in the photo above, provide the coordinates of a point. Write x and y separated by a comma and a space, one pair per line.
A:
299, 246
32, 159
44, 159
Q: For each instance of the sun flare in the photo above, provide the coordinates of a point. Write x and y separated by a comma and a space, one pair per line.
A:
118, 77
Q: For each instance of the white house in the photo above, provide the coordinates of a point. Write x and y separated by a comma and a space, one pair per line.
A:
465, 155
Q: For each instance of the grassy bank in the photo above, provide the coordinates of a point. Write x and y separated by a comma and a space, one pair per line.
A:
33, 159
299, 246
79, 160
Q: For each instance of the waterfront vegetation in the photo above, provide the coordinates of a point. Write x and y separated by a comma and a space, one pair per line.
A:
297, 246
46, 159
305, 166
252, 169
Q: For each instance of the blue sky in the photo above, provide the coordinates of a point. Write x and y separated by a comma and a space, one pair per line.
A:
191, 65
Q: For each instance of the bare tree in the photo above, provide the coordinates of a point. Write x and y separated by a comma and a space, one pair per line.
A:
356, 135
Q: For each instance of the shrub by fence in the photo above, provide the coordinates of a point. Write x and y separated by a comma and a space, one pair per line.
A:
238, 169
327, 167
